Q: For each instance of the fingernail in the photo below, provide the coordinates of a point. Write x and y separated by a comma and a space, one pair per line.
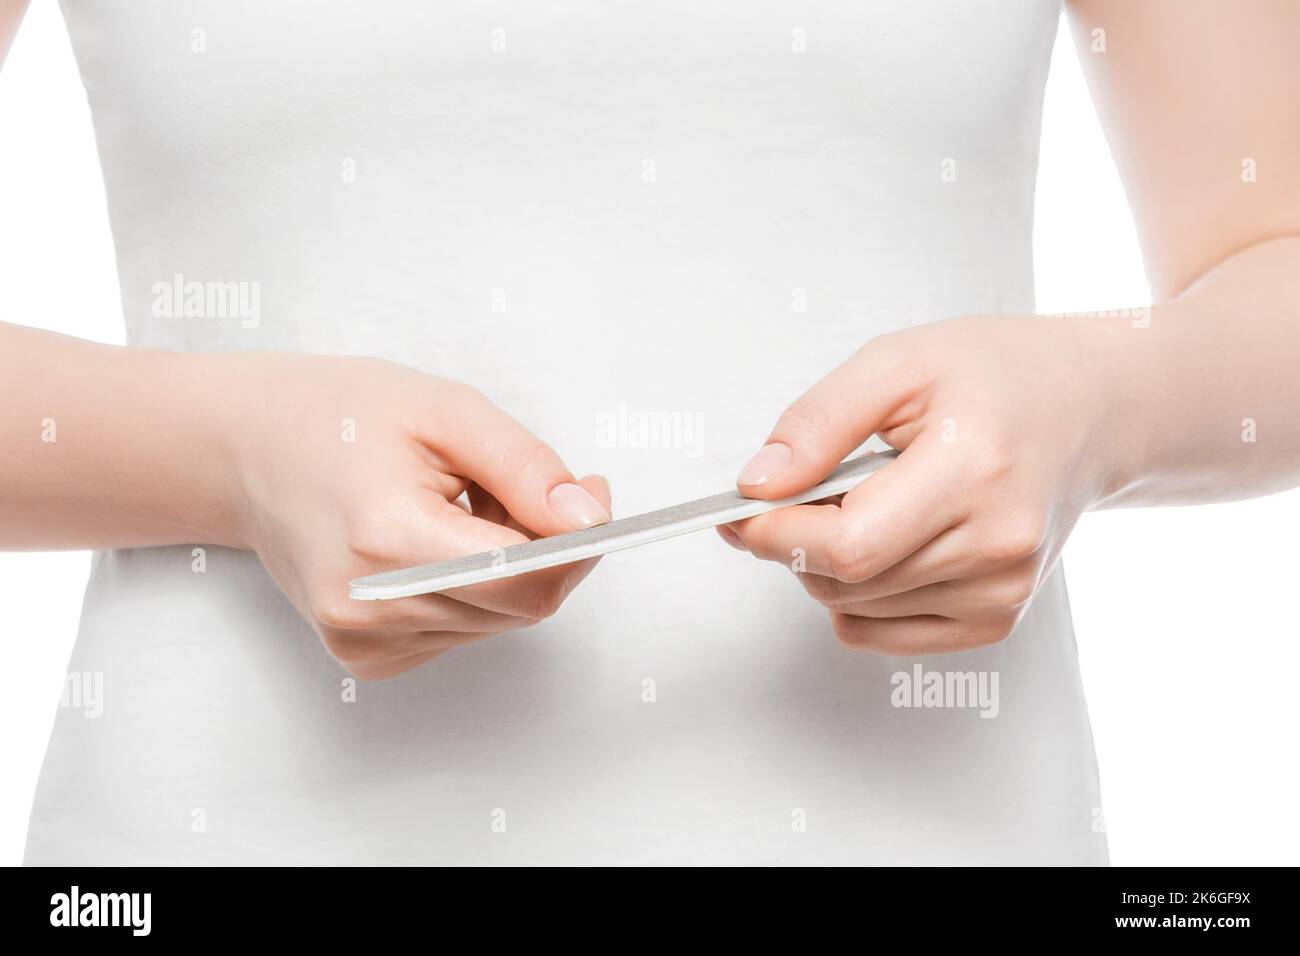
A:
766, 465
576, 507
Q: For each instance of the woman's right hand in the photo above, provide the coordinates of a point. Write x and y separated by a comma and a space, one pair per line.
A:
352, 466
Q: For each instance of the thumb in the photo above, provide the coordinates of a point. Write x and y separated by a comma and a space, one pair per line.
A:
490, 448
820, 429
598, 487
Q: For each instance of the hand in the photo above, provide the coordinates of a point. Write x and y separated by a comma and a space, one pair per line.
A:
352, 466
998, 420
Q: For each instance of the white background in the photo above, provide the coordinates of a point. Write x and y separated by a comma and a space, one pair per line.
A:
1185, 616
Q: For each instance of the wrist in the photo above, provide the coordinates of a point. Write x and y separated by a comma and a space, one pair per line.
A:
215, 388
1108, 350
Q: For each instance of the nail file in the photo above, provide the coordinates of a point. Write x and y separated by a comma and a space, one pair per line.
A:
617, 535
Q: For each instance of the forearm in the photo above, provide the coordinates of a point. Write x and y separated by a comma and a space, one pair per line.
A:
112, 447
1205, 399
11, 15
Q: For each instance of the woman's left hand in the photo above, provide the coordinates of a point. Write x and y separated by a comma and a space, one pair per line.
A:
1002, 423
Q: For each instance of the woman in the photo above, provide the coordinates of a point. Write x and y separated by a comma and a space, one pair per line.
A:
585, 210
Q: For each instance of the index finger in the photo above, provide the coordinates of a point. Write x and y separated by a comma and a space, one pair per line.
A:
889, 516
895, 512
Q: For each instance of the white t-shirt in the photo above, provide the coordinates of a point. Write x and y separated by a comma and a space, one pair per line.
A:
642, 229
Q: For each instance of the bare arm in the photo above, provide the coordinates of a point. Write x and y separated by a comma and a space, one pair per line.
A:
107, 447
112, 447
1201, 103
11, 15
1012, 426
329, 468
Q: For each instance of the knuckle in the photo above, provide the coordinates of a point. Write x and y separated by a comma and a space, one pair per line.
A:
756, 535
902, 357
1015, 593
530, 458
367, 671
992, 460
849, 631
451, 399
338, 612
371, 534
542, 607
887, 350
997, 633
806, 415
459, 392
994, 467
543, 601
1020, 539
370, 367
822, 588
986, 635
848, 560
349, 649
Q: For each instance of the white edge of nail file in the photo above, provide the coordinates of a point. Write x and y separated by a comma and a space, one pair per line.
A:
617, 535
